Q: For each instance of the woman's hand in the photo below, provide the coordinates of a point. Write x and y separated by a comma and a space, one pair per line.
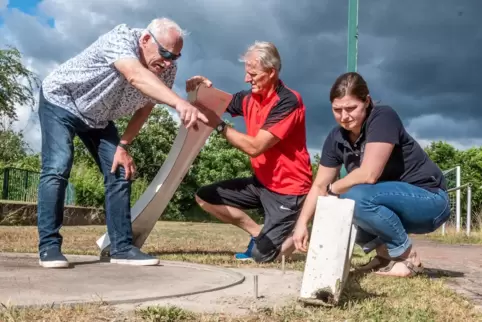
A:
300, 237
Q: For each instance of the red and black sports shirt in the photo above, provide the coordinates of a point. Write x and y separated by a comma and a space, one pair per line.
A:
284, 168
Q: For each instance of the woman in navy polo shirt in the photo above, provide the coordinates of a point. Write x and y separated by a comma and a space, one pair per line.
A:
397, 189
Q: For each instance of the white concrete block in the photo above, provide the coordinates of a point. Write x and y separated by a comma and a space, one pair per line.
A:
329, 254
187, 145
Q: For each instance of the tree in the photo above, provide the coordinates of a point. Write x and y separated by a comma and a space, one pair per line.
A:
149, 150
315, 164
470, 161
12, 147
88, 184
443, 154
17, 83
219, 160
151, 147
30, 162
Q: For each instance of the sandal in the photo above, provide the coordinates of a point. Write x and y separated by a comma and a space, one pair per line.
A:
414, 270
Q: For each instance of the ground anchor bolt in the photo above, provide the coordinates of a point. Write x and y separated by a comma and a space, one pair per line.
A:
255, 286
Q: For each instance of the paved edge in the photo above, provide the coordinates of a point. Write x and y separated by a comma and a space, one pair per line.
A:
239, 279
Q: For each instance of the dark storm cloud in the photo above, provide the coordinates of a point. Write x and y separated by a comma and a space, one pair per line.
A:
426, 125
422, 57
430, 63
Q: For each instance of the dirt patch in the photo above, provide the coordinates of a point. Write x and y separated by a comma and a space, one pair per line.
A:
460, 264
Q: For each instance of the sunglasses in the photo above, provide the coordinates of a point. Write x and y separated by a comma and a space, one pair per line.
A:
163, 51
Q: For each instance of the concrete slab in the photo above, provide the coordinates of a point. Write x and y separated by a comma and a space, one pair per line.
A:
275, 290
23, 282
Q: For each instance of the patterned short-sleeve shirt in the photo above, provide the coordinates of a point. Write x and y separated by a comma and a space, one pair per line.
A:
89, 86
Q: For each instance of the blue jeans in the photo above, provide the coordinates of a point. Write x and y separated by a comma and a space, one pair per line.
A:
386, 212
58, 128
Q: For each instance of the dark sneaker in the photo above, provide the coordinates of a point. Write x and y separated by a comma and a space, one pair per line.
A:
134, 257
105, 255
53, 258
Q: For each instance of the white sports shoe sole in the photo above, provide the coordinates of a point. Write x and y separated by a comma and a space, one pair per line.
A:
244, 259
142, 262
54, 264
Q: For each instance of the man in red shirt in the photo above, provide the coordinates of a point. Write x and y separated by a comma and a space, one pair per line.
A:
276, 144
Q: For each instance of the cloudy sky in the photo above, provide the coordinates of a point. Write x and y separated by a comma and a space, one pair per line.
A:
421, 57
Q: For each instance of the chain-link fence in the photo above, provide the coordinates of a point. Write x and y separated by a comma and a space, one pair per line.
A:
22, 185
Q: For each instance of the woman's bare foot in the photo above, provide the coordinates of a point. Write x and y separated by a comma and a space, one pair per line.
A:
408, 264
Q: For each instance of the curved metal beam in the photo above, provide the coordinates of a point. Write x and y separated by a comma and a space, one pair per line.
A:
187, 145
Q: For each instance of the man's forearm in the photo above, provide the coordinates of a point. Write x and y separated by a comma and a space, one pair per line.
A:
241, 141
135, 124
146, 82
150, 85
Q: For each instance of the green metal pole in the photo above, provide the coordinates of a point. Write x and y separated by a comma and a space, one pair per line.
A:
6, 177
352, 48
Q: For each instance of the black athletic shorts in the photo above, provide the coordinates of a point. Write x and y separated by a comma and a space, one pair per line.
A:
280, 211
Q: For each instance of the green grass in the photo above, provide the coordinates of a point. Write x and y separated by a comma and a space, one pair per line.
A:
365, 298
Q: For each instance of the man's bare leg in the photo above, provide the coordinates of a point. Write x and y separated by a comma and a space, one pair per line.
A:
231, 215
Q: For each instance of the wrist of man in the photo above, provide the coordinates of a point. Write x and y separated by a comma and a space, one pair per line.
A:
221, 127
123, 144
177, 101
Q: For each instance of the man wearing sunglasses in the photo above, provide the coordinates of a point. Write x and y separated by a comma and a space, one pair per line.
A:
126, 71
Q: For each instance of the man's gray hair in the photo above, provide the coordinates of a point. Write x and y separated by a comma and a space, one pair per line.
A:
268, 55
160, 26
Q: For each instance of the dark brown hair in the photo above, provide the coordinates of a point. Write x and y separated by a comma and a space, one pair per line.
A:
350, 84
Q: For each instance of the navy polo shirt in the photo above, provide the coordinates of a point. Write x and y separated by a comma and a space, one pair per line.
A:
407, 163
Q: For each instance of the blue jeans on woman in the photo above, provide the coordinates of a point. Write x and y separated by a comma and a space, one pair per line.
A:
386, 212
58, 128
